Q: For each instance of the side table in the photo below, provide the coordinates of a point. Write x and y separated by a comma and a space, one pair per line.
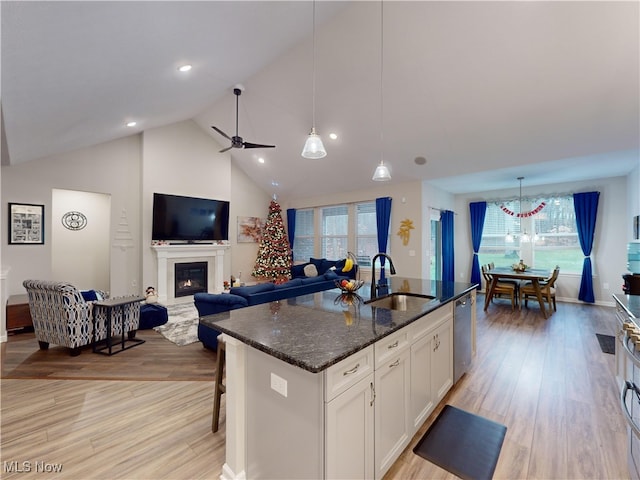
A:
17, 313
109, 305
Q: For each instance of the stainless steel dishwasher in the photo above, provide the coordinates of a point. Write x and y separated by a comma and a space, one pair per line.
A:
461, 337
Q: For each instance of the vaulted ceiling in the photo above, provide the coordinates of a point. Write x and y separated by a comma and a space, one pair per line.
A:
483, 91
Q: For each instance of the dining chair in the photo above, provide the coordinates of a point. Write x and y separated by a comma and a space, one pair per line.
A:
500, 289
547, 289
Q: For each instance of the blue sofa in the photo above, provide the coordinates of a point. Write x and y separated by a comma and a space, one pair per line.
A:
238, 297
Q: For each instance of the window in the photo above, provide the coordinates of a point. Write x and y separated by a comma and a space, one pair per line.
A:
335, 232
366, 233
545, 239
304, 239
332, 231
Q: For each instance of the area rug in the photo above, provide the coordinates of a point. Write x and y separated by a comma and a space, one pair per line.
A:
607, 343
182, 326
462, 443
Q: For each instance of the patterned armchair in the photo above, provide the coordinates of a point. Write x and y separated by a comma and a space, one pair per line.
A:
61, 316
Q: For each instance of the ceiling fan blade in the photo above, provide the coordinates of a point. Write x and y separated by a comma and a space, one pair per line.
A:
221, 132
225, 149
256, 145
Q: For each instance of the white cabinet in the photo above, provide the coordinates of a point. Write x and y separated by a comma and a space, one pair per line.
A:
349, 432
442, 360
431, 363
349, 419
377, 399
421, 400
413, 372
392, 426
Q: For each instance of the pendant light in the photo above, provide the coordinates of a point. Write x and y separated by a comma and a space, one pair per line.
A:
382, 173
524, 237
313, 147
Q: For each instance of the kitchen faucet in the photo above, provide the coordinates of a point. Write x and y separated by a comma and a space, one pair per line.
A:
375, 287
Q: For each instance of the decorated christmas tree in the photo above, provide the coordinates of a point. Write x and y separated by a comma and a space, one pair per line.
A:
274, 254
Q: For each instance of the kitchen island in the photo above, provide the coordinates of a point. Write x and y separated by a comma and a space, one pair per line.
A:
329, 386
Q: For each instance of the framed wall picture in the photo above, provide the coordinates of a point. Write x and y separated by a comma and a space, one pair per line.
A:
250, 229
26, 224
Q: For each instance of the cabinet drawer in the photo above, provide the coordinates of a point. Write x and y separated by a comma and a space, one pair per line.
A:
423, 325
391, 345
339, 377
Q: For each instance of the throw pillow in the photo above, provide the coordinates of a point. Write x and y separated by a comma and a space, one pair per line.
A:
310, 271
326, 265
318, 263
91, 295
298, 270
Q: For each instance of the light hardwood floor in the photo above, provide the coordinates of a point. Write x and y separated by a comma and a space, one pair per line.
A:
146, 413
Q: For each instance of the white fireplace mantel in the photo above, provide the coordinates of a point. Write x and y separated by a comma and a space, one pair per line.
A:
169, 255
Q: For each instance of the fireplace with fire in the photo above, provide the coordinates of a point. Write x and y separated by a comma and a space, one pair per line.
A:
190, 278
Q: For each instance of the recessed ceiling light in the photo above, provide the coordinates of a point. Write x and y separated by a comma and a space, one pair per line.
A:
184, 68
260, 160
274, 183
333, 136
131, 124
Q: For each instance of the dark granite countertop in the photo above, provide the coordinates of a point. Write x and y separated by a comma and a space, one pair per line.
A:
318, 330
631, 303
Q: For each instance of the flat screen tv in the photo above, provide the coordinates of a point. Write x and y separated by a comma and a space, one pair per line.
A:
177, 218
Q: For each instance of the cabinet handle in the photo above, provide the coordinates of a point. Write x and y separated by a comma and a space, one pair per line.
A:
393, 345
395, 364
373, 394
353, 370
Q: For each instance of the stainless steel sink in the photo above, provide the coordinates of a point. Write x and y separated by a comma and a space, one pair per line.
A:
401, 301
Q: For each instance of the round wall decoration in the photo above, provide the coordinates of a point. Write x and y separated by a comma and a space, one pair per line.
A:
74, 220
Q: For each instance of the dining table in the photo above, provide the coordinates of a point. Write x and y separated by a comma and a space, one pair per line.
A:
533, 275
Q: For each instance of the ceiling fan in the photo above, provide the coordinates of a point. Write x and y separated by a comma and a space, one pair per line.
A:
236, 140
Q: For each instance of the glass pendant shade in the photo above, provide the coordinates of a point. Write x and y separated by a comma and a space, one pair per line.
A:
382, 173
313, 147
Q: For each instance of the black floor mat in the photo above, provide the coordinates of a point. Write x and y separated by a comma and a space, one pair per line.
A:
463, 443
607, 343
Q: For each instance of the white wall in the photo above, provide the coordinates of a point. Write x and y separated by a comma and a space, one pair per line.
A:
112, 168
179, 158
609, 248
248, 202
82, 257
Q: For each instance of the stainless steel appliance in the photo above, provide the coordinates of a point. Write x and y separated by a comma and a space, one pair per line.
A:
462, 337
